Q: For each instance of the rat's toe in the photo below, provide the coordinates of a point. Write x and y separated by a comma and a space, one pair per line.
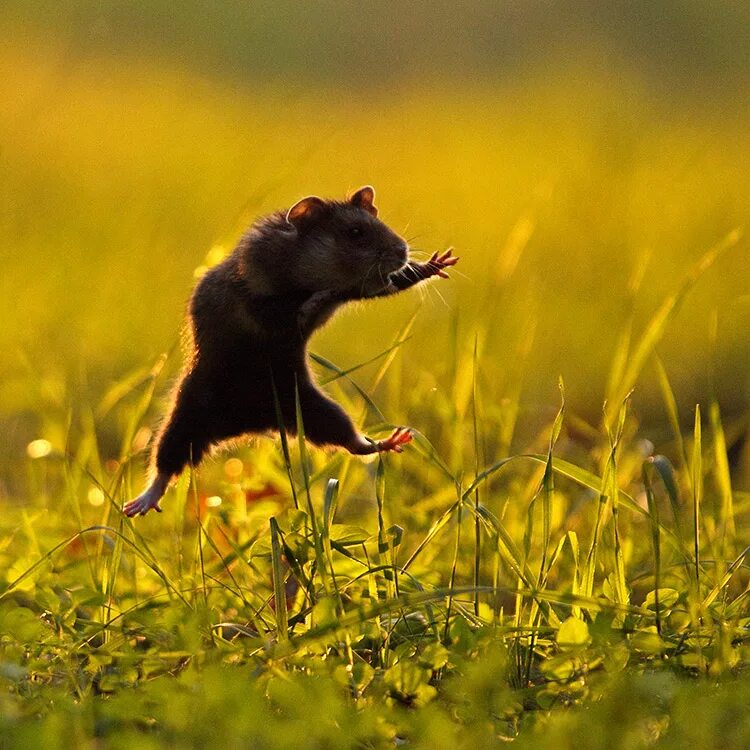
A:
396, 440
141, 505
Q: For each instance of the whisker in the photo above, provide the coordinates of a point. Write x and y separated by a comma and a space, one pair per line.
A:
383, 281
364, 280
439, 294
413, 237
454, 272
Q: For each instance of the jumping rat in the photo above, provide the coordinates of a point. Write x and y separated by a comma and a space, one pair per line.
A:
250, 318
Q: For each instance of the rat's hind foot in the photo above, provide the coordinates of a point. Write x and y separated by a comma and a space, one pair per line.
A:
395, 441
148, 499
143, 504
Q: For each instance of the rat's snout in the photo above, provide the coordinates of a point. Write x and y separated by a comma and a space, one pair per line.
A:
401, 250
395, 255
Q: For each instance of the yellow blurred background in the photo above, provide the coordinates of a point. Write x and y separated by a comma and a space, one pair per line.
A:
580, 159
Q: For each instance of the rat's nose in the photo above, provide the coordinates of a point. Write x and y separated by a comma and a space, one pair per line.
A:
402, 250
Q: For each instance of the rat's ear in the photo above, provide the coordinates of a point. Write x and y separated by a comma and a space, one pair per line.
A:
304, 209
364, 198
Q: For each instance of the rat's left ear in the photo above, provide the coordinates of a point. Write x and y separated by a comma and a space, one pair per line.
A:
304, 210
364, 198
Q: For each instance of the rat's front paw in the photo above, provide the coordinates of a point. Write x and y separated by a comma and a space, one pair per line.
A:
440, 261
396, 440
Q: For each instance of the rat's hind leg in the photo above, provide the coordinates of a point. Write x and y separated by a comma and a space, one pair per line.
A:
326, 423
184, 438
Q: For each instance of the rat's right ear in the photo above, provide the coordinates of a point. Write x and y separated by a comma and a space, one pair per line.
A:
364, 198
305, 209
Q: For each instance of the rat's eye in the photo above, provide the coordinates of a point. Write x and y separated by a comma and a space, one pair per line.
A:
355, 231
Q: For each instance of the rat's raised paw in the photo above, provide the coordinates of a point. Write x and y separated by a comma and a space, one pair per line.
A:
396, 440
440, 261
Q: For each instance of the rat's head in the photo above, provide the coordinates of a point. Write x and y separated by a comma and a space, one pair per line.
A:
343, 245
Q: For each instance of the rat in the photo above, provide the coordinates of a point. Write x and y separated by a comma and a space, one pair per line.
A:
250, 318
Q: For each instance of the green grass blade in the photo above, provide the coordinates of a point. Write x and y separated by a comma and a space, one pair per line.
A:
670, 403
340, 373
477, 525
723, 480
284, 442
314, 527
653, 510
697, 476
125, 386
722, 583
279, 591
390, 354
657, 326
548, 485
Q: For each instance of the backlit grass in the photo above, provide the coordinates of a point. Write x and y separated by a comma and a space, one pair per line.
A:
451, 592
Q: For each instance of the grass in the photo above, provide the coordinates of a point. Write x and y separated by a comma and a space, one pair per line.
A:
484, 602
552, 568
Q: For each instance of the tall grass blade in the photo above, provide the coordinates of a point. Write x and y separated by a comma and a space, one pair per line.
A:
279, 591
670, 403
403, 335
388, 353
126, 385
621, 589
609, 493
284, 442
653, 510
723, 480
697, 476
201, 532
477, 524
340, 373
436, 527
548, 485
454, 566
428, 451
657, 326
721, 584
304, 463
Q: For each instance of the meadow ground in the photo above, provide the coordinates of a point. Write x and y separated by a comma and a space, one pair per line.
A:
557, 561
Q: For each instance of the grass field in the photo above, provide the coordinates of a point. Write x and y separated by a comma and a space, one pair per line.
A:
557, 561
